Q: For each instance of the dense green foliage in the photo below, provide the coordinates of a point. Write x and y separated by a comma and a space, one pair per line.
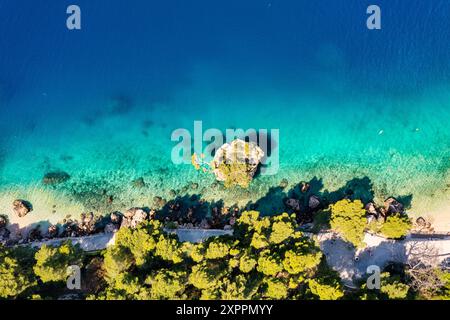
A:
52, 263
267, 258
349, 219
16, 272
235, 174
396, 226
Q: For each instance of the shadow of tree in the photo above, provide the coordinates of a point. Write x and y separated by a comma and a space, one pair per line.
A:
182, 205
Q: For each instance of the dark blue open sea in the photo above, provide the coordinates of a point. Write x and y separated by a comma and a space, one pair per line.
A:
100, 103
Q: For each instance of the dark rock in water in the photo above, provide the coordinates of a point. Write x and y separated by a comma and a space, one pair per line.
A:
392, 206
159, 202
22, 207
121, 104
194, 186
172, 193
138, 183
313, 202
284, 183
304, 187
57, 177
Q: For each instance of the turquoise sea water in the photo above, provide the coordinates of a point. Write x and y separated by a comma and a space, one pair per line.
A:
353, 106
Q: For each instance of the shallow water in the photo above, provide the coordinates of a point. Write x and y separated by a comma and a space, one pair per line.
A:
359, 109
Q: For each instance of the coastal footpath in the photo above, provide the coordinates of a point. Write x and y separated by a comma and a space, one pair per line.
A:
350, 263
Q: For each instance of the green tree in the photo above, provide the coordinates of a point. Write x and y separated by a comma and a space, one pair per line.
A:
16, 273
331, 291
396, 226
275, 289
247, 263
392, 287
348, 218
217, 249
117, 260
301, 259
269, 263
52, 262
204, 276
283, 227
167, 284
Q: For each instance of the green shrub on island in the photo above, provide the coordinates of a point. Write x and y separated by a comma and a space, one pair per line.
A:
396, 226
234, 174
52, 263
349, 219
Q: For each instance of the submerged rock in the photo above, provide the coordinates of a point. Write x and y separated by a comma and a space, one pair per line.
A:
22, 207
284, 183
236, 163
57, 177
138, 183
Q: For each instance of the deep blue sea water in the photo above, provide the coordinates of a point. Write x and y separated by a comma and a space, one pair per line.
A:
100, 103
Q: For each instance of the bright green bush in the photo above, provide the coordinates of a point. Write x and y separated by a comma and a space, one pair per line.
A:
396, 226
324, 291
167, 284
348, 218
269, 263
52, 262
217, 250
392, 287
16, 273
276, 289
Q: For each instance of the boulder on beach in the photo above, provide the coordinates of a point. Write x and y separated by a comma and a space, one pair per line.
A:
293, 204
22, 207
3, 221
56, 177
133, 217
313, 202
236, 163
392, 206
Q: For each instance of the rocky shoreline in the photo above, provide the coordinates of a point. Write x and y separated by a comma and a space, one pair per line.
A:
189, 214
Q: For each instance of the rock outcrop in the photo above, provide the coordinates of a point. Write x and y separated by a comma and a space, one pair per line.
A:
22, 207
57, 177
133, 217
236, 163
